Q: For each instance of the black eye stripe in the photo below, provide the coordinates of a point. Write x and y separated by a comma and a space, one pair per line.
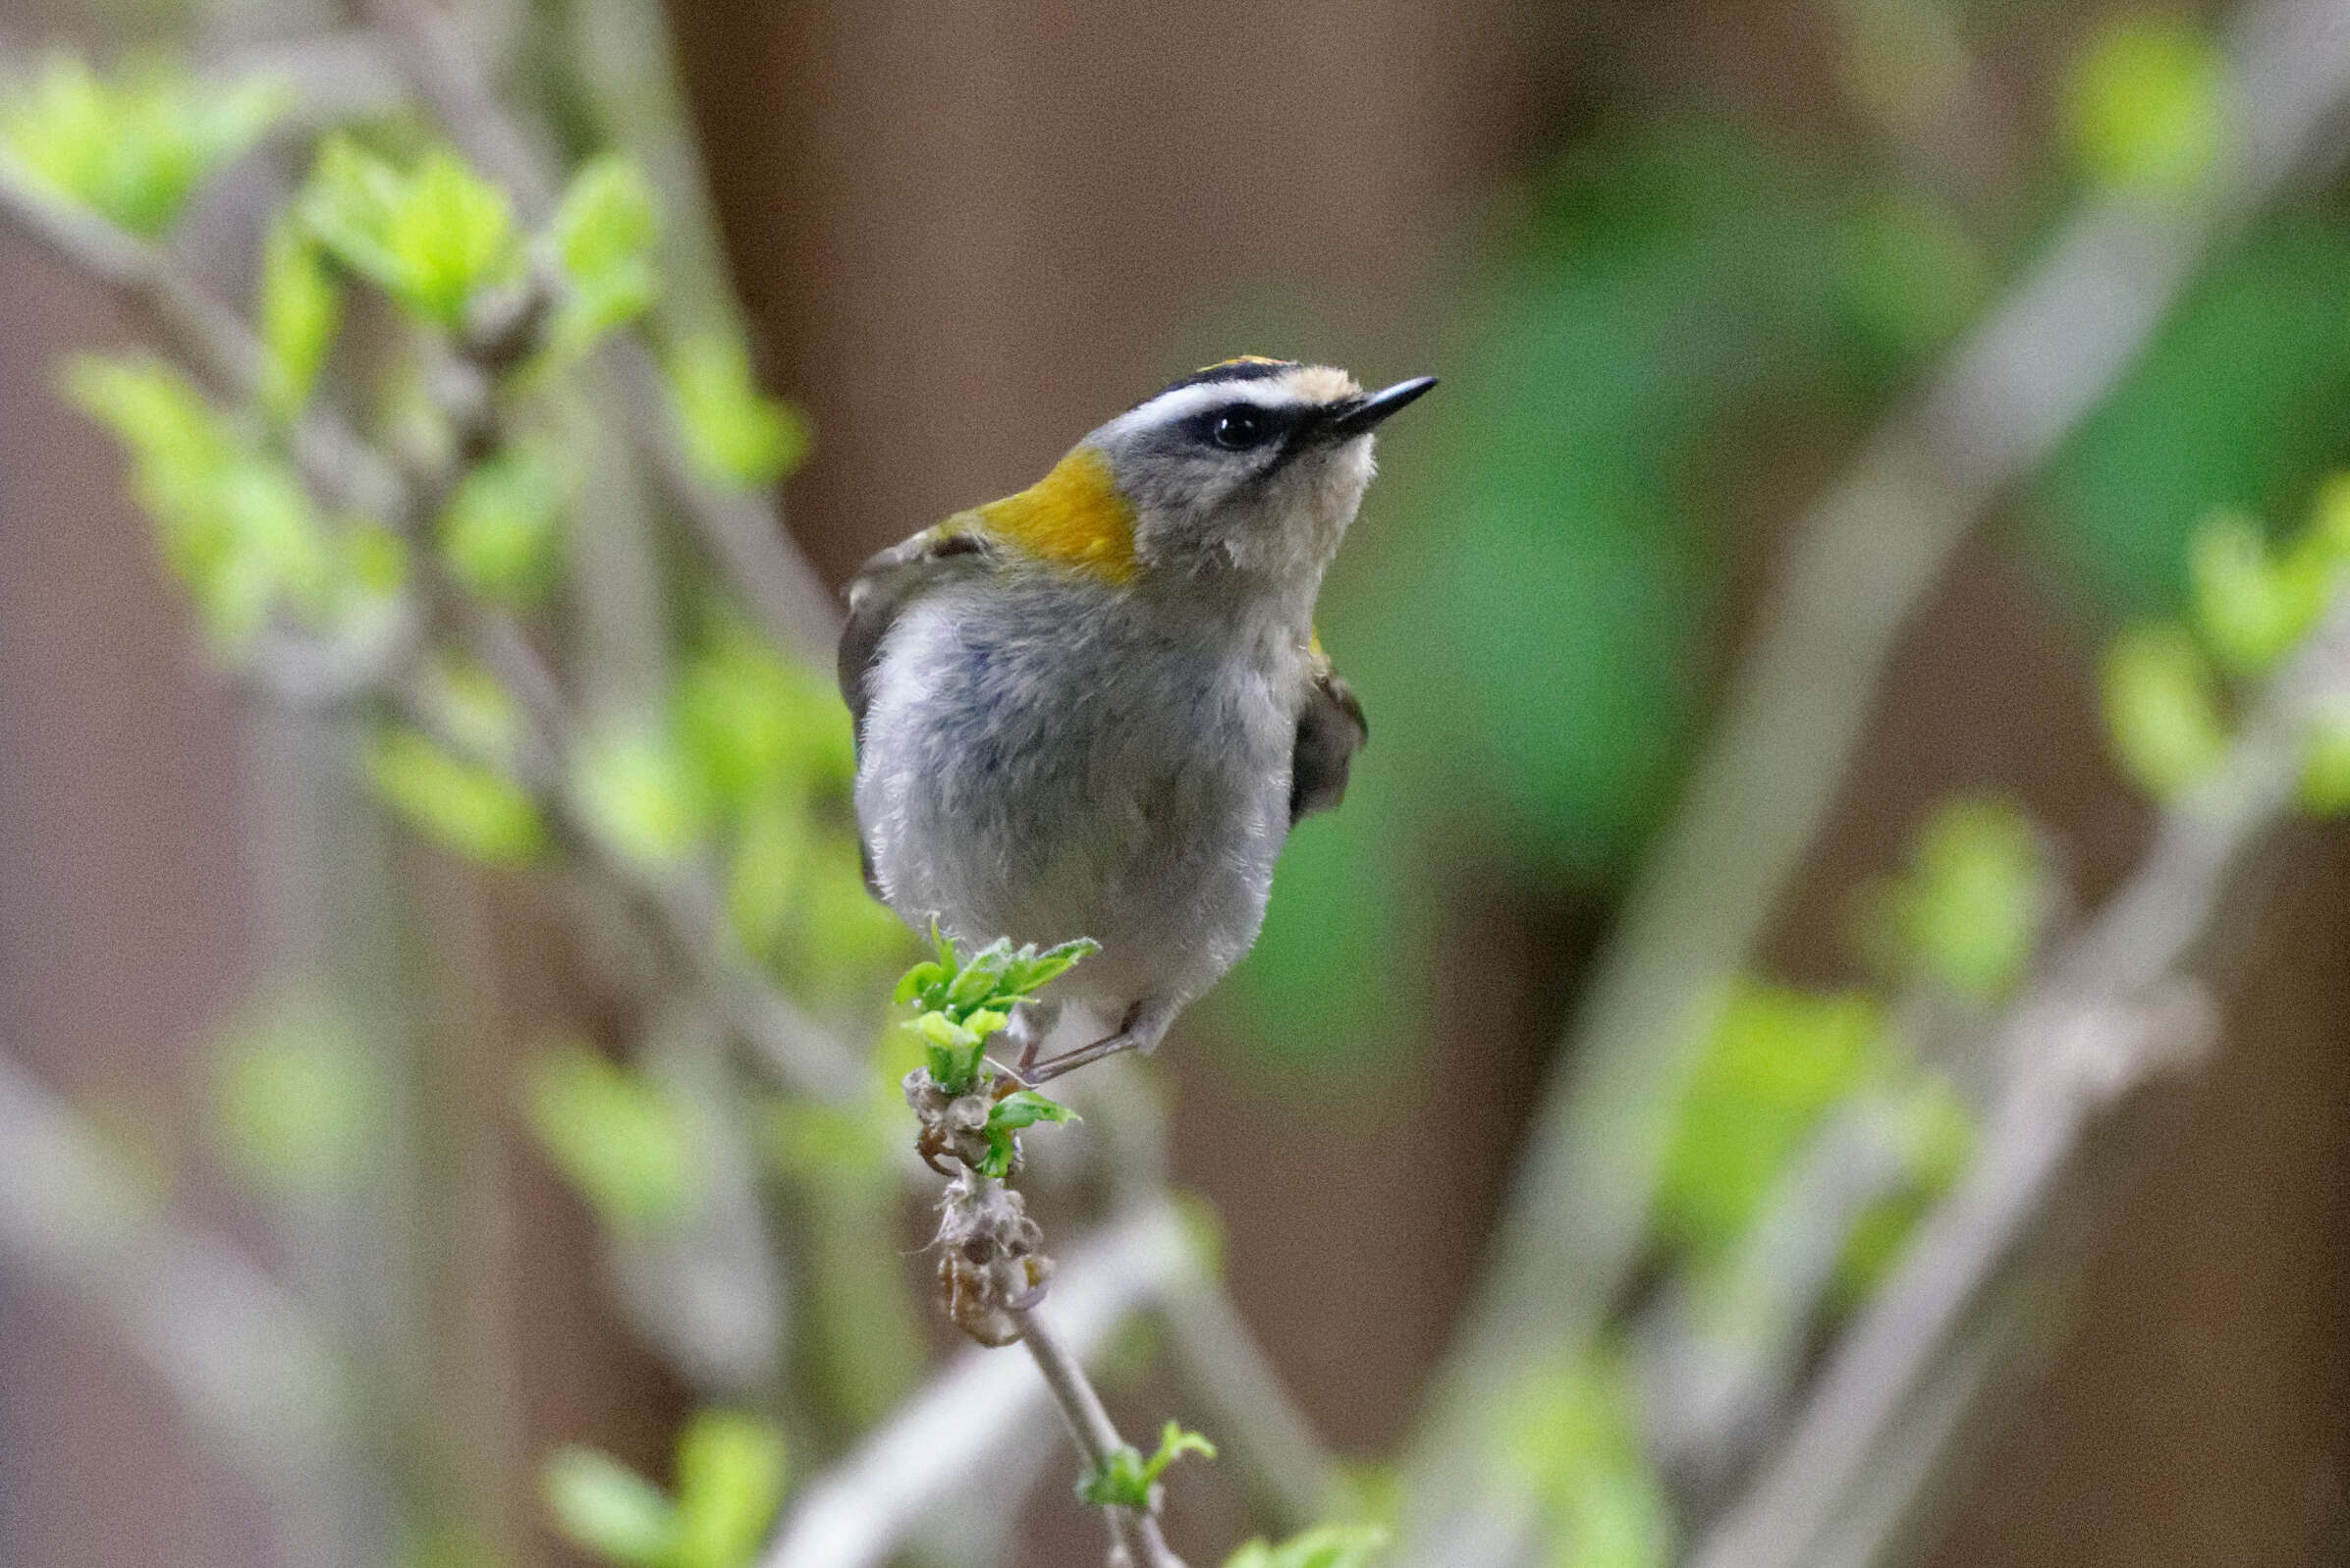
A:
1241, 426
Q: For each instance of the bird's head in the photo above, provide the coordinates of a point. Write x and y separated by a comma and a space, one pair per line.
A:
1251, 467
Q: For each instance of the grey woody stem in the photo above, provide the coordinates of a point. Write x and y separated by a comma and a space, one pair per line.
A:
1133, 1532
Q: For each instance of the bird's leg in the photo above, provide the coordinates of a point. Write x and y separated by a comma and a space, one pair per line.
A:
1031, 1025
1145, 1022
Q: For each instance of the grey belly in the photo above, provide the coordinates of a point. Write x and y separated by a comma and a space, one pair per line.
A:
1148, 824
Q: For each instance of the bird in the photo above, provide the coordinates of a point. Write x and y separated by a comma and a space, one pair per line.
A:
1097, 707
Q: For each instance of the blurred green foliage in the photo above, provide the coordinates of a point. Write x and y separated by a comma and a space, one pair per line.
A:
770, 744
469, 807
1326, 1546
2242, 401
622, 1140
234, 522
134, 147
1968, 910
639, 795
432, 237
1574, 1430
2171, 687
1778, 1063
2326, 775
2162, 708
841, 1164
502, 529
300, 310
605, 236
2146, 109
736, 435
731, 1474
298, 1111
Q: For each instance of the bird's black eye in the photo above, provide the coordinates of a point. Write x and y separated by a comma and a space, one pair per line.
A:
1240, 427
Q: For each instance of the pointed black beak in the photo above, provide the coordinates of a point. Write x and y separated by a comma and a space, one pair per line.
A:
1365, 414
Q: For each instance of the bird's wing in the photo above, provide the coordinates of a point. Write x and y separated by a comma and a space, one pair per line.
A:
883, 586
1331, 729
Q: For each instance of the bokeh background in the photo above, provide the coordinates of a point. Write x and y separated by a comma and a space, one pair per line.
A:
1675, 261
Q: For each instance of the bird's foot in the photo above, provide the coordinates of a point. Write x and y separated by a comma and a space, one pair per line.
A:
1143, 1026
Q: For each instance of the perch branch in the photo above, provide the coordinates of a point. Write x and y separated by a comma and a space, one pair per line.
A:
1861, 561
943, 1438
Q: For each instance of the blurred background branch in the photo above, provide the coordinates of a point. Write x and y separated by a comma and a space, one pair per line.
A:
591, 1184
1859, 563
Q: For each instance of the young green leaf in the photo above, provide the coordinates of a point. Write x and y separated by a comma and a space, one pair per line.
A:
453, 235
2162, 710
431, 238
2147, 107
604, 232
916, 980
132, 148
638, 796
1778, 1061
2324, 789
500, 532
1323, 1546
348, 204
1023, 1108
736, 435
300, 311
477, 811
2250, 608
731, 1473
1126, 1478
606, 1509
1573, 1431
616, 1135
475, 714
296, 1101
760, 728
1970, 913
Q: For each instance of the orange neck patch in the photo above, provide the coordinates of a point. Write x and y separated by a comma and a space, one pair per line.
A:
1073, 516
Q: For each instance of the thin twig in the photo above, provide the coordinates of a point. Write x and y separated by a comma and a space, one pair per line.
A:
1861, 562
217, 346
744, 533
1255, 1416
1134, 1532
2126, 998
943, 1438
203, 334
1719, 1355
